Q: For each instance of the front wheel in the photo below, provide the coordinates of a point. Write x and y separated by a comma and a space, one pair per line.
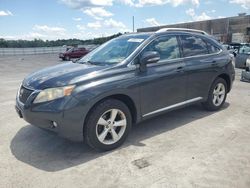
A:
67, 58
108, 125
217, 95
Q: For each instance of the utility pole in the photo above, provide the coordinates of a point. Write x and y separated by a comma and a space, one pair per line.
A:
133, 24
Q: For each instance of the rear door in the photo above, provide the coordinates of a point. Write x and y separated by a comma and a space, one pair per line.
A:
163, 85
202, 64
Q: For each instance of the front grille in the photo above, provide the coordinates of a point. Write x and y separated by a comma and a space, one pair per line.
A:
24, 94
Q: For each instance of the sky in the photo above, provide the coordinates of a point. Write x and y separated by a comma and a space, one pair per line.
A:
87, 19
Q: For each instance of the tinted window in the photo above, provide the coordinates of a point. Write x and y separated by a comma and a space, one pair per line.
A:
167, 47
193, 46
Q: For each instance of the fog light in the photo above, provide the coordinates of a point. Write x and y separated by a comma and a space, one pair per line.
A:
54, 124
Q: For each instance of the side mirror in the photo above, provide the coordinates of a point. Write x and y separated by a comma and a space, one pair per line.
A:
148, 58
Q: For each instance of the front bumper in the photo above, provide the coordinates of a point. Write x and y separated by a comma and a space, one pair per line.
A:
61, 55
66, 112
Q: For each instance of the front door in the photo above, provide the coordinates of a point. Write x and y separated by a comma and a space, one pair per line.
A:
163, 84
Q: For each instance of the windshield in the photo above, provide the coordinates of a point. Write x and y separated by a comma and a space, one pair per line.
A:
245, 49
114, 51
69, 49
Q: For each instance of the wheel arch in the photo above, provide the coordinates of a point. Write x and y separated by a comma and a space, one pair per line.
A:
127, 100
226, 77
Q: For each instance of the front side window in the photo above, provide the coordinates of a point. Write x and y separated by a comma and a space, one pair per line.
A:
193, 46
166, 46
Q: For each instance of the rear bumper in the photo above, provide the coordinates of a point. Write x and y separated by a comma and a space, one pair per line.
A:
245, 76
66, 114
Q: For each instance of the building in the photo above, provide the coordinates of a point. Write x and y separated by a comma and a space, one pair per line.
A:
226, 30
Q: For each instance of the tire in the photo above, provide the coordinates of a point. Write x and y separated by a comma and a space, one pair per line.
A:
67, 58
100, 122
217, 95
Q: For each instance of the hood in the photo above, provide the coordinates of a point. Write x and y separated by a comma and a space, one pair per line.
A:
61, 75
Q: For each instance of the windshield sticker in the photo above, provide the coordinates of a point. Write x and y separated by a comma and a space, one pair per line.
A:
135, 40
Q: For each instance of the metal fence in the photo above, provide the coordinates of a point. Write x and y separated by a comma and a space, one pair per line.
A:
37, 50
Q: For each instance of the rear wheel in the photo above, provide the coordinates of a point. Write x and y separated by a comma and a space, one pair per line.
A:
217, 95
108, 125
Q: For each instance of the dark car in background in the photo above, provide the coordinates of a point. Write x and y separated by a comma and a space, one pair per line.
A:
125, 81
73, 53
242, 56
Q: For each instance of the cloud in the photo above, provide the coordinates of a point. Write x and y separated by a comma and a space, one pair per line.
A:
77, 19
47, 29
5, 13
128, 2
175, 3
94, 25
80, 27
48, 32
97, 13
45, 32
107, 24
244, 3
196, 17
152, 22
114, 24
78, 4
190, 12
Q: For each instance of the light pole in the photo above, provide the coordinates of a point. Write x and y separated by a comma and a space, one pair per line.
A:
133, 23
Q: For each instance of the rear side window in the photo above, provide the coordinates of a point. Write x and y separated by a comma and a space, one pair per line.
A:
166, 46
193, 46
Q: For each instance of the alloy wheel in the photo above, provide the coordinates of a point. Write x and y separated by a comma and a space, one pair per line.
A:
111, 126
219, 94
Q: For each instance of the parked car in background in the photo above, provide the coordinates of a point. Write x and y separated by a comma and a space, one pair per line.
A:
245, 75
231, 49
73, 53
125, 81
242, 56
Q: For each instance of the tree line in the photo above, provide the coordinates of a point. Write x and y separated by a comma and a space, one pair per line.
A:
46, 43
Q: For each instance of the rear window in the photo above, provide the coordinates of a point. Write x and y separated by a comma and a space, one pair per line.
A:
212, 48
193, 46
245, 49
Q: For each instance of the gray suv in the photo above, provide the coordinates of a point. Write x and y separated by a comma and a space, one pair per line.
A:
125, 81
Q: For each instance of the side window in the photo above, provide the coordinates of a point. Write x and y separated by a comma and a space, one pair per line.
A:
166, 46
211, 48
193, 46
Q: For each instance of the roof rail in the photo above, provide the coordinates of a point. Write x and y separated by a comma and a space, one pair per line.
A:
182, 29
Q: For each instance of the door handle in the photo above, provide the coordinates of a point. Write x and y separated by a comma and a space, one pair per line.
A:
179, 69
214, 63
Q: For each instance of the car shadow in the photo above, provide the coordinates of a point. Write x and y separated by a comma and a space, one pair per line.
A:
48, 152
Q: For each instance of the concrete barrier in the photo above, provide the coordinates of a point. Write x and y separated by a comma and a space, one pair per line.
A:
37, 50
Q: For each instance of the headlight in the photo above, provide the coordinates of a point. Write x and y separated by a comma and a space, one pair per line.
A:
53, 93
248, 62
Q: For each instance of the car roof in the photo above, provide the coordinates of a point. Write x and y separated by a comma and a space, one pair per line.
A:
168, 31
138, 35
